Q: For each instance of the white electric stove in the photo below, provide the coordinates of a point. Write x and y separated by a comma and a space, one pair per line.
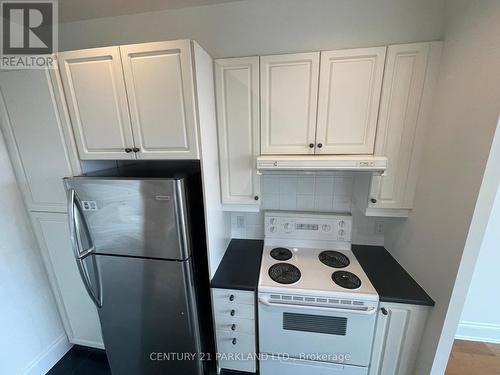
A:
317, 307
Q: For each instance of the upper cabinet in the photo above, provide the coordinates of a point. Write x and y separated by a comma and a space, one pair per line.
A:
237, 95
326, 103
132, 102
409, 79
37, 133
289, 99
348, 101
97, 100
159, 82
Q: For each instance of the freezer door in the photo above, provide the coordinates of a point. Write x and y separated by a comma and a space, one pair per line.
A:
133, 217
148, 309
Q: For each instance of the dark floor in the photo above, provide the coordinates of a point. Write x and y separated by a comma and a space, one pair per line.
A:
82, 361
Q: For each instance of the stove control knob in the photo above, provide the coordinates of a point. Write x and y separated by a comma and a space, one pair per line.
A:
272, 229
326, 227
341, 224
341, 233
232, 312
288, 227
272, 221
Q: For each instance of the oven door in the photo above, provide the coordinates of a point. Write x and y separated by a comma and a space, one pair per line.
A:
316, 333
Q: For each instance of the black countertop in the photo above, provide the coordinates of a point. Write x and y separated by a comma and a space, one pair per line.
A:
390, 279
240, 266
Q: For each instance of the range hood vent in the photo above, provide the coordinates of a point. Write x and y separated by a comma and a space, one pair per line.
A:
322, 163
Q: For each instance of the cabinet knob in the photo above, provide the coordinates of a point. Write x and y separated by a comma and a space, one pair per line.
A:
136, 149
320, 145
232, 312
128, 150
233, 327
384, 311
256, 197
373, 200
311, 145
231, 297
234, 341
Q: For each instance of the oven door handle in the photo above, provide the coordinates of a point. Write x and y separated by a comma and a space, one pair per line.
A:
368, 311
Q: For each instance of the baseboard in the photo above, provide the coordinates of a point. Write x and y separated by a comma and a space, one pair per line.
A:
48, 358
91, 344
483, 332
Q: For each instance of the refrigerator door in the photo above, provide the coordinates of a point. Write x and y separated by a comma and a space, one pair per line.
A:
132, 217
148, 311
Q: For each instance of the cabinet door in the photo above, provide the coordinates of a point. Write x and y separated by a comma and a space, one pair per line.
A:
237, 90
349, 93
78, 312
160, 88
289, 94
95, 91
37, 133
397, 338
407, 69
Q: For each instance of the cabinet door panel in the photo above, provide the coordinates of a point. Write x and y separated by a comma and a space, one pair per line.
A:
349, 93
397, 338
78, 312
237, 89
160, 89
289, 94
404, 78
36, 129
95, 91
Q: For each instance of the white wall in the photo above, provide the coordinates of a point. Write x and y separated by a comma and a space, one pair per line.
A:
480, 319
431, 242
265, 27
31, 333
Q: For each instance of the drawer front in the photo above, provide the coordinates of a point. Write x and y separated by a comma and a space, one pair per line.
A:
224, 311
239, 324
236, 351
233, 296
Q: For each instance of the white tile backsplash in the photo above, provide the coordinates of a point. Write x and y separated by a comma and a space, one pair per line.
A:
313, 192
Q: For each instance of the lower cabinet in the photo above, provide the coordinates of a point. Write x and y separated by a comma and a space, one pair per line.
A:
78, 313
397, 338
234, 315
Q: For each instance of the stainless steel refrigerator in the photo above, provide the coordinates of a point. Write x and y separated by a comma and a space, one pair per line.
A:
133, 246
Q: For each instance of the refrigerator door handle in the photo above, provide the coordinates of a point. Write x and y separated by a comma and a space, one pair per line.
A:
74, 208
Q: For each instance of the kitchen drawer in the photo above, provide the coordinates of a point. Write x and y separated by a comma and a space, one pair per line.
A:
241, 325
233, 296
223, 311
239, 355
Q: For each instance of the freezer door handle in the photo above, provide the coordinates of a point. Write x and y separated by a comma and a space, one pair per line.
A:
76, 223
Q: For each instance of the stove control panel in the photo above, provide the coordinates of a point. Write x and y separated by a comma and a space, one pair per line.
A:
308, 226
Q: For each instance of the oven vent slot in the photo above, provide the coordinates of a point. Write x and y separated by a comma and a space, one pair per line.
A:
331, 325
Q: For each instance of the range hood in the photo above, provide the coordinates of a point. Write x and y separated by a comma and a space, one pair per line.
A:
322, 163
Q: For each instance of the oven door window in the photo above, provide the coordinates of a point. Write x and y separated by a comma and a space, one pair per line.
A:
330, 325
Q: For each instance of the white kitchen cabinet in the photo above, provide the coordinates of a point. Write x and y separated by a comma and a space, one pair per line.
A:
132, 102
348, 101
409, 80
398, 333
36, 129
237, 96
78, 313
97, 100
234, 316
160, 90
289, 98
